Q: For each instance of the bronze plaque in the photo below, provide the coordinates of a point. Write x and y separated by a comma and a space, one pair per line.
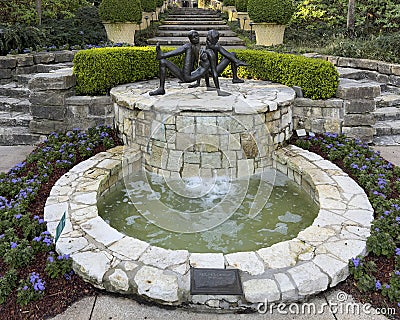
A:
215, 281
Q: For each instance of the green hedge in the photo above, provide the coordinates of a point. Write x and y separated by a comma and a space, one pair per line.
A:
271, 11
98, 70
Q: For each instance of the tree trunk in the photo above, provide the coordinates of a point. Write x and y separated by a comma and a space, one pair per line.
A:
351, 18
39, 11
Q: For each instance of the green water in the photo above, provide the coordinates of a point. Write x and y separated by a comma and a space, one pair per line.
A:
209, 215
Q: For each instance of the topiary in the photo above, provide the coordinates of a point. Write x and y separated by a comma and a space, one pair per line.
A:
148, 5
271, 11
121, 11
159, 3
241, 5
228, 3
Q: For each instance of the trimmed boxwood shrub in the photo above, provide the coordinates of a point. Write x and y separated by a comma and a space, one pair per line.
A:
229, 3
121, 11
148, 5
159, 3
271, 11
241, 5
98, 70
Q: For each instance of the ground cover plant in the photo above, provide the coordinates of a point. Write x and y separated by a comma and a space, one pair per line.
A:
375, 278
35, 281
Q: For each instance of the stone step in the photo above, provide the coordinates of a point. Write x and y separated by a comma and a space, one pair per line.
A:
184, 33
191, 22
13, 90
14, 104
387, 113
387, 127
14, 119
188, 27
177, 41
183, 11
193, 18
44, 68
23, 79
204, 15
387, 100
19, 136
392, 140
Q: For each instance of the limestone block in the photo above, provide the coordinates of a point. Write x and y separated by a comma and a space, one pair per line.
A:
154, 284
354, 120
365, 134
351, 89
163, 258
24, 60
49, 112
98, 229
261, 290
8, 62
315, 235
207, 260
70, 245
287, 288
337, 270
119, 280
52, 81
309, 278
359, 105
43, 57
245, 261
91, 266
344, 249
64, 56
5, 73
129, 247
283, 254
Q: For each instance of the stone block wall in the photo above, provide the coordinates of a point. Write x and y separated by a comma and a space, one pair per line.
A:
54, 106
21, 64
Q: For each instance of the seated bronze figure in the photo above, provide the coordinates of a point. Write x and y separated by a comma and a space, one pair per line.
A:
207, 62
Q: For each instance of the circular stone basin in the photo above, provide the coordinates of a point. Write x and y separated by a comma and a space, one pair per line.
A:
317, 258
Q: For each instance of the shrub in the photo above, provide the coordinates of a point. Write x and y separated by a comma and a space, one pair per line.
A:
241, 5
98, 70
18, 37
229, 3
148, 5
272, 11
318, 79
120, 11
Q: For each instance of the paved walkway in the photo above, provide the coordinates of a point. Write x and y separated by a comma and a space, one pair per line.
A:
108, 306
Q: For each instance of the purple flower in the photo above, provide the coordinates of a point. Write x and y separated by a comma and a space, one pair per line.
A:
13, 245
378, 285
50, 259
25, 288
397, 251
18, 216
387, 286
356, 262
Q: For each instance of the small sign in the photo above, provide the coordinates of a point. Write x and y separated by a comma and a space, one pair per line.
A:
301, 132
60, 227
215, 281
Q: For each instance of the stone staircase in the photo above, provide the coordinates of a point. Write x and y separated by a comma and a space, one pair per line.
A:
387, 112
174, 30
15, 113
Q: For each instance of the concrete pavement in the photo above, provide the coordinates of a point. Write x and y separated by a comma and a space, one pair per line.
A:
330, 305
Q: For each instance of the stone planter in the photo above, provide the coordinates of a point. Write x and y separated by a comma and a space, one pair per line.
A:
268, 34
241, 16
232, 13
121, 32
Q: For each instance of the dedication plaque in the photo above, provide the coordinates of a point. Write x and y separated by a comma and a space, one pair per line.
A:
215, 281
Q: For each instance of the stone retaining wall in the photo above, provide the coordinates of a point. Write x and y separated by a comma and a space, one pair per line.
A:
350, 112
288, 271
21, 64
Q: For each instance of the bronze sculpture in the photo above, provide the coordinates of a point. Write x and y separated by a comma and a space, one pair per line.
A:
207, 60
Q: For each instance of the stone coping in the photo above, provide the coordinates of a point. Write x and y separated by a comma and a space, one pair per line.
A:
250, 97
287, 271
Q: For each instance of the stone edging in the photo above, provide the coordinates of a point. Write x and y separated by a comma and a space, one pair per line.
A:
287, 271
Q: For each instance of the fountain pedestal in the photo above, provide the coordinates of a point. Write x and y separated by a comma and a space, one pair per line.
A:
194, 132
